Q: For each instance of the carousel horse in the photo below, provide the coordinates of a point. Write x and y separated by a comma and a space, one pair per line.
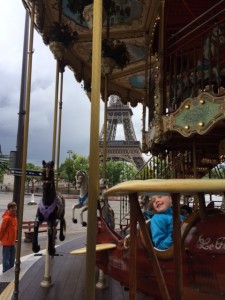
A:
106, 211
144, 203
82, 185
51, 209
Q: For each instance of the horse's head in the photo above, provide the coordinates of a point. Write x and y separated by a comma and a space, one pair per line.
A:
103, 184
81, 179
144, 203
48, 174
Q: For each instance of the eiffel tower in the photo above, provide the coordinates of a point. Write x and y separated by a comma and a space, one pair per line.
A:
126, 150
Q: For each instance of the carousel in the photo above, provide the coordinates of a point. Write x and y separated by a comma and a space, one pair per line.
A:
169, 56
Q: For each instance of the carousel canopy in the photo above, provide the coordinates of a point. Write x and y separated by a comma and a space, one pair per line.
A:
132, 22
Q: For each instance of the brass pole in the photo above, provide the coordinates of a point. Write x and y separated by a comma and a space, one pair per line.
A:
21, 118
105, 128
93, 184
133, 248
161, 55
46, 282
146, 93
59, 128
24, 159
105, 111
178, 274
55, 110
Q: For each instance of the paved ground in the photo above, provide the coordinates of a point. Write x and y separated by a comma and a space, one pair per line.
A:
72, 231
29, 214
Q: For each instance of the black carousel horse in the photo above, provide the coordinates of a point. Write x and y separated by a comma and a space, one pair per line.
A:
51, 209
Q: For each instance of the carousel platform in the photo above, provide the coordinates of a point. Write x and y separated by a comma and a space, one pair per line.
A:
67, 278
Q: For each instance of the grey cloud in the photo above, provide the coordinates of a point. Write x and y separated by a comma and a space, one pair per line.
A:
75, 131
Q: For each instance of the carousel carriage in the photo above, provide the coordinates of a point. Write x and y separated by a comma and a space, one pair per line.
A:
201, 240
193, 268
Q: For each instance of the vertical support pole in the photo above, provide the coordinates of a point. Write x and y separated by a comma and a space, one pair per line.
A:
55, 110
218, 58
47, 281
202, 65
194, 94
210, 60
105, 128
223, 202
161, 56
59, 127
25, 146
175, 106
133, 248
146, 93
20, 130
47, 277
178, 279
93, 181
101, 284
105, 110
195, 203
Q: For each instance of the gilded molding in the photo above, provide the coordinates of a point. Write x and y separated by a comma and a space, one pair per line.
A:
197, 115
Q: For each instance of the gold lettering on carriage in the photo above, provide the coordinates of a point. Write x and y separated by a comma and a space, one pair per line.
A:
206, 244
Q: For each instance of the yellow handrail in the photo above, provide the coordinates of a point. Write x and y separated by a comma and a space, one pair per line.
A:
184, 186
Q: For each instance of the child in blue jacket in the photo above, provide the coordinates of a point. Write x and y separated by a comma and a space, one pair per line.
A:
161, 224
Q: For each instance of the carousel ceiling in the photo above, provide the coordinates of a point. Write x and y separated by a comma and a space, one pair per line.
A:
134, 22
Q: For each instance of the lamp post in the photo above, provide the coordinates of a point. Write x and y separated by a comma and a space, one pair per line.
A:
69, 170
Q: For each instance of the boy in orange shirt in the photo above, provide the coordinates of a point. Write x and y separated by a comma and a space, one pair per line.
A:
8, 233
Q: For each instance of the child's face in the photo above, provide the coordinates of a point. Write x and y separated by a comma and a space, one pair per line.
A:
12, 210
161, 203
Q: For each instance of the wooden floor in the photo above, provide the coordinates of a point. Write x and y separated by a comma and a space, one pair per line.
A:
68, 278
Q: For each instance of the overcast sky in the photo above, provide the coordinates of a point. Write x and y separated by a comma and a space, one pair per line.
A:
75, 132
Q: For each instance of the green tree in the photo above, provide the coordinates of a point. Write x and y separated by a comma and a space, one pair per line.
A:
4, 165
71, 165
118, 171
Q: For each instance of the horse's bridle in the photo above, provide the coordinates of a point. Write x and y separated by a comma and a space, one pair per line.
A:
46, 174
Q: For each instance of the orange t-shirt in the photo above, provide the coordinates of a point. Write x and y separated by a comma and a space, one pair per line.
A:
8, 229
